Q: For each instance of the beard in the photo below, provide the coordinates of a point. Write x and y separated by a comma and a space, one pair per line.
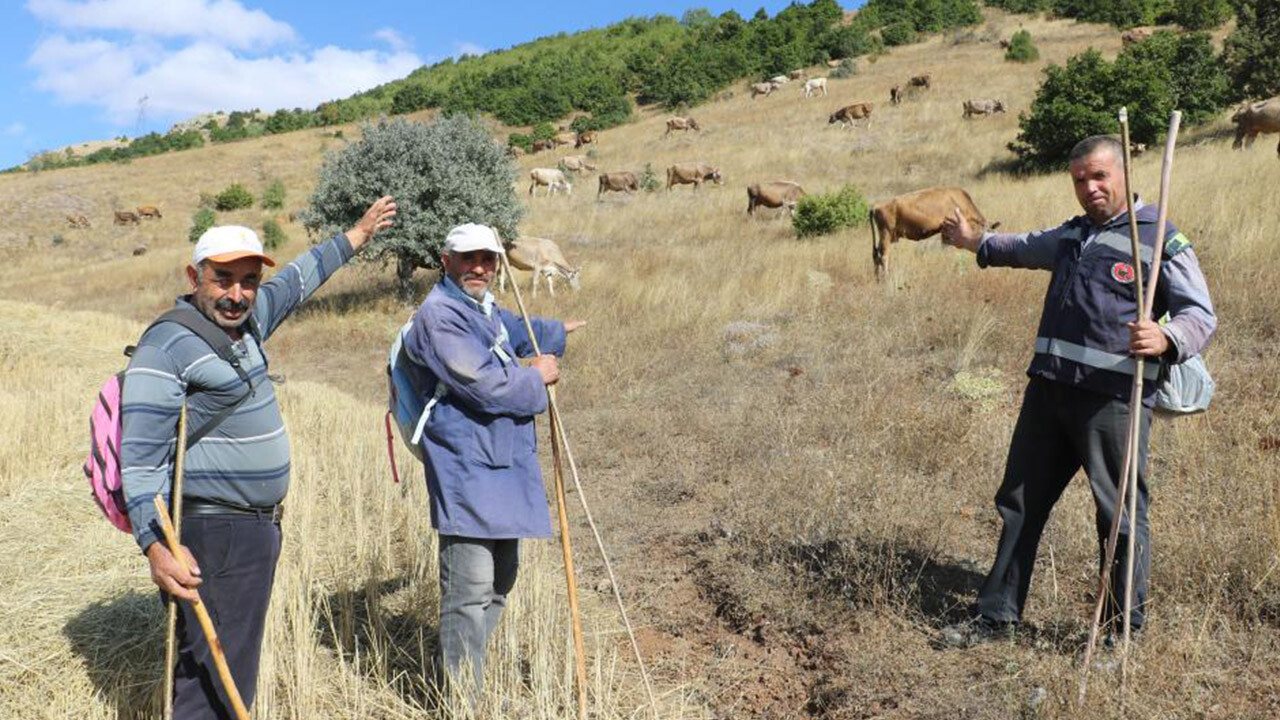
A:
213, 310
476, 294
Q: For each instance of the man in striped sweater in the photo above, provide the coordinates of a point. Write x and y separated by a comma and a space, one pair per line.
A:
236, 477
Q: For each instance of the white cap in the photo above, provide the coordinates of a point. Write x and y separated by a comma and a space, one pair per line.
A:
471, 236
225, 243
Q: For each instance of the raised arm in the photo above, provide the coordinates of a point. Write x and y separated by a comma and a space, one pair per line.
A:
1032, 250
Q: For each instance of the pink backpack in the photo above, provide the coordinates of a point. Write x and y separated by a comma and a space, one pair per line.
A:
102, 467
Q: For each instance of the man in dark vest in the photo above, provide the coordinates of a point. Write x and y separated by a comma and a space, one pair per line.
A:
1075, 412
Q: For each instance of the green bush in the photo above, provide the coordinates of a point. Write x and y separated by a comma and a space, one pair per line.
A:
273, 196
201, 221
1201, 14
520, 140
1252, 51
899, 33
272, 235
649, 180
824, 213
442, 174
1021, 49
234, 197
847, 68
1150, 78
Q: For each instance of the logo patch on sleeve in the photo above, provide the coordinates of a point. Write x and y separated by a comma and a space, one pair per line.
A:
1122, 272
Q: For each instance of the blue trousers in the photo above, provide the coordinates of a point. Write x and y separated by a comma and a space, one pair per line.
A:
475, 577
237, 555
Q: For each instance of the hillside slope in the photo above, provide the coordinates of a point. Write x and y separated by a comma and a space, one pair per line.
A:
793, 464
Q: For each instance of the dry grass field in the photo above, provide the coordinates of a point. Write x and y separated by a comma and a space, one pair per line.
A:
792, 463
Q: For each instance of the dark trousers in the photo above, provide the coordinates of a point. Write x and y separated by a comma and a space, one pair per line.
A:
1061, 429
237, 555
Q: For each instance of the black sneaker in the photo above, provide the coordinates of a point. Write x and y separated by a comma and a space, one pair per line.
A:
977, 631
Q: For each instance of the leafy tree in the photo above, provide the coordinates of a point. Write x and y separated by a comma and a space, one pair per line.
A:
696, 17
411, 98
442, 174
1252, 52
899, 33
824, 213
1201, 14
233, 197
1021, 49
202, 220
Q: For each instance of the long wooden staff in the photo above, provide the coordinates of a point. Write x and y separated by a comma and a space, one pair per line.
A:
171, 627
1129, 488
206, 623
560, 443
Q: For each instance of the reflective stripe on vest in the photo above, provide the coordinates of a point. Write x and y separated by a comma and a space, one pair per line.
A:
1095, 358
1122, 243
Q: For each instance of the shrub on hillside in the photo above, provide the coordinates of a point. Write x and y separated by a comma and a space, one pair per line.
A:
1252, 50
273, 196
1201, 14
520, 140
1022, 6
899, 33
847, 68
442, 174
201, 221
1150, 78
824, 213
273, 235
649, 180
233, 197
413, 97
1021, 49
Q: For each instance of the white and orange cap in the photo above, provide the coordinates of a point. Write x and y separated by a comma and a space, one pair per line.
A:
472, 236
226, 243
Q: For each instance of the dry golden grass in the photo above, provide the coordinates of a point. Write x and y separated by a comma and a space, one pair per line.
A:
792, 463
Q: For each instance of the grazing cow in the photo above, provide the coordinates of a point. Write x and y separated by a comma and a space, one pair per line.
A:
124, 217
515, 151
813, 86
779, 79
576, 164
541, 257
1004, 44
149, 211
982, 107
796, 75
1254, 118
921, 81
587, 137
78, 221
552, 178
681, 123
1136, 35
691, 174
833, 64
916, 216
761, 89
849, 115
775, 194
540, 145
895, 95
618, 182
1137, 148
563, 138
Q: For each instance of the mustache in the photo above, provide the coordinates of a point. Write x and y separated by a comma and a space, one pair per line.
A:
229, 304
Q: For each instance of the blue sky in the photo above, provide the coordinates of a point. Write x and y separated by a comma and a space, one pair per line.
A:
75, 70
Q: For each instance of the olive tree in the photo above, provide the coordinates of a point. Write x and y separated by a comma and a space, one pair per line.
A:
443, 173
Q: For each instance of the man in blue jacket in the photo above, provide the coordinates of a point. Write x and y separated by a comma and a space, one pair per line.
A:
1075, 412
478, 442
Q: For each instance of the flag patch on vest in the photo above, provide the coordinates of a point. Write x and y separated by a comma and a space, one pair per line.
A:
1122, 272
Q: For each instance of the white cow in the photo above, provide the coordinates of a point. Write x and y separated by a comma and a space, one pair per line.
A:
543, 258
778, 79
813, 86
552, 178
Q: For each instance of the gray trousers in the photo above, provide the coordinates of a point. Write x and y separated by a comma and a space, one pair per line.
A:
1061, 429
475, 577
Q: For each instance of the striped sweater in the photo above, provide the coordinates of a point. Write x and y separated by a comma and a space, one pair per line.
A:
245, 460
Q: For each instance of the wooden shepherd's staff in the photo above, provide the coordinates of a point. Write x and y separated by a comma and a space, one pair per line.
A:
1146, 299
559, 445
171, 626
206, 623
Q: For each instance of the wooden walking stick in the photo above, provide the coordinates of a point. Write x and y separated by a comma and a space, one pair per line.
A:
171, 626
559, 444
1129, 488
206, 623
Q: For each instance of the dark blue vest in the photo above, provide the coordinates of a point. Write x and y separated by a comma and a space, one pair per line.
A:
1083, 339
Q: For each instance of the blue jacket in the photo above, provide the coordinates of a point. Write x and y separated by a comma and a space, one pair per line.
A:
479, 443
1083, 339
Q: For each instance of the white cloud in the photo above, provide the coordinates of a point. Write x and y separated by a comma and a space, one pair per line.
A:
205, 76
393, 39
226, 22
467, 48
15, 129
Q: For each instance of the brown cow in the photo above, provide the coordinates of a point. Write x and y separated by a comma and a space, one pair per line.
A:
124, 217
576, 164
796, 75
895, 95
691, 174
982, 107
921, 81
541, 257
775, 194
916, 216
1136, 35
587, 137
149, 211
681, 123
1254, 118
78, 221
564, 138
618, 182
515, 151
849, 115
540, 145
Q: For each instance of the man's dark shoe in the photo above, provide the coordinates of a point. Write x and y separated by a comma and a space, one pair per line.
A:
1115, 638
977, 631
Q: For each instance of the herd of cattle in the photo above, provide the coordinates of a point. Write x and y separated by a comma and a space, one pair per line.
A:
122, 217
